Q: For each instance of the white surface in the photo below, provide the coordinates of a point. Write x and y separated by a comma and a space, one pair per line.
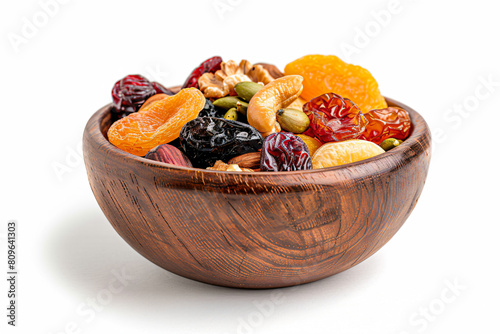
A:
431, 55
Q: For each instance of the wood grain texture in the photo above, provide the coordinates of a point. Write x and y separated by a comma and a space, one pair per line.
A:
256, 230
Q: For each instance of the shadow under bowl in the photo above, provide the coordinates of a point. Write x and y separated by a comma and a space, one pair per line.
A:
256, 230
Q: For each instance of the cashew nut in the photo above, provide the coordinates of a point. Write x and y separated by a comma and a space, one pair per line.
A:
277, 94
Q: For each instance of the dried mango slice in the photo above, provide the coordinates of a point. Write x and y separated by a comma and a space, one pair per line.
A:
158, 123
344, 152
329, 74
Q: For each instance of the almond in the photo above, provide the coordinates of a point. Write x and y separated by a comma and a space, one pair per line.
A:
248, 160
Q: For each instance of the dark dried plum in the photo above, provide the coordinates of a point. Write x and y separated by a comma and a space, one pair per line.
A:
284, 151
208, 139
209, 110
176, 143
210, 65
130, 93
115, 115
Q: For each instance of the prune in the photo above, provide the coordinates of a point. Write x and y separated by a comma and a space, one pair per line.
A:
176, 143
116, 116
160, 89
131, 92
208, 139
210, 65
386, 123
284, 151
333, 118
209, 110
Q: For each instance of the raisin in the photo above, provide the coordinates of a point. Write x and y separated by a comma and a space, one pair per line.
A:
333, 118
210, 65
208, 139
130, 93
386, 123
284, 151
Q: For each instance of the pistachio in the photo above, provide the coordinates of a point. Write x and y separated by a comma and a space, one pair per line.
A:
247, 89
229, 102
231, 114
241, 108
390, 143
293, 120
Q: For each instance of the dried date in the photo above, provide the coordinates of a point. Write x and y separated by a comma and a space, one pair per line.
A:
386, 123
284, 152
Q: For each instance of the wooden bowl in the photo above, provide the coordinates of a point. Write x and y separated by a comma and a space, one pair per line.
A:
256, 230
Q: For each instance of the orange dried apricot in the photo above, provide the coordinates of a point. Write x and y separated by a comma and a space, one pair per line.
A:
312, 143
329, 74
153, 99
158, 123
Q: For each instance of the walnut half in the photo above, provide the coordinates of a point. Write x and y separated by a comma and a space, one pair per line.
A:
223, 81
222, 166
211, 86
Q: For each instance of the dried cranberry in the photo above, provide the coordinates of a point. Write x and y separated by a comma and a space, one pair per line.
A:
283, 151
160, 89
334, 118
210, 65
130, 93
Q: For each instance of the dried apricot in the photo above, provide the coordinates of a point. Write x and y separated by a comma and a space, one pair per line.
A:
158, 123
153, 99
312, 143
329, 74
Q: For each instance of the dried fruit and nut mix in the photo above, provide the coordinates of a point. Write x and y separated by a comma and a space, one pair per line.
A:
235, 116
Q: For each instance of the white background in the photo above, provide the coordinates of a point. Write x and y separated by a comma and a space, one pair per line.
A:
431, 55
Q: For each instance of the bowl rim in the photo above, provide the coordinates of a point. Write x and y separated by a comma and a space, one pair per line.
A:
418, 131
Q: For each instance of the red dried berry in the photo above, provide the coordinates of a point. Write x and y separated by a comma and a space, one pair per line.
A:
130, 93
211, 65
386, 123
169, 154
283, 151
334, 118
160, 89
